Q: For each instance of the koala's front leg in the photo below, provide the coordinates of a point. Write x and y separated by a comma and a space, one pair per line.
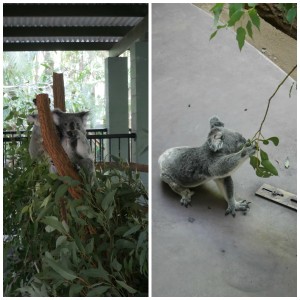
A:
185, 193
226, 187
225, 165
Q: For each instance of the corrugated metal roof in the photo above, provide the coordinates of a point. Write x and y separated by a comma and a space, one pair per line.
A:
95, 26
70, 21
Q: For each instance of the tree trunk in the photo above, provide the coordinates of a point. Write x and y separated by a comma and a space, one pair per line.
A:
273, 15
59, 91
52, 144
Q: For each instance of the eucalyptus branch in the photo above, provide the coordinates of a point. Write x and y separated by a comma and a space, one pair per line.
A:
269, 102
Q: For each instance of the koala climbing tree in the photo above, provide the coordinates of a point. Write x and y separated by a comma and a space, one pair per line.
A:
53, 145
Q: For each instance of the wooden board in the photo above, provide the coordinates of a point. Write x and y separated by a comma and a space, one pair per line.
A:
278, 196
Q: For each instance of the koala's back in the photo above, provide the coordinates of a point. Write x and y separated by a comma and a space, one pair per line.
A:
187, 166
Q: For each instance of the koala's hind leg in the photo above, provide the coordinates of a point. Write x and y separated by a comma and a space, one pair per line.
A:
185, 193
226, 187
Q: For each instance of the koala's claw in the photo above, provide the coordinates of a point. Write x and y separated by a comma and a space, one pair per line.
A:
239, 206
186, 202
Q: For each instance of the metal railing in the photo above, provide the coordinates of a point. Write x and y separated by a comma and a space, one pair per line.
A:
103, 145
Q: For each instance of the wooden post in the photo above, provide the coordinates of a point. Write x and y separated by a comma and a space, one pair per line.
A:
52, 144
59, 91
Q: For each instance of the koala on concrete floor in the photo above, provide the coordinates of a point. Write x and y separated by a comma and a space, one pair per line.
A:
187, 167
71, 130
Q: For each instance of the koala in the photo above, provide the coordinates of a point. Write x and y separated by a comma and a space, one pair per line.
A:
223, 152
71, 130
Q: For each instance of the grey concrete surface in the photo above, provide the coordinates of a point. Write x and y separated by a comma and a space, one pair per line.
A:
197, 251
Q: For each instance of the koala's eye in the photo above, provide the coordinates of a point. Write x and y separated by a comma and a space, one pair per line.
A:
65, 124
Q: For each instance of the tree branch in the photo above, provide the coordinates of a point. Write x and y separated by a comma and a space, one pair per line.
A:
52, 143
269, 101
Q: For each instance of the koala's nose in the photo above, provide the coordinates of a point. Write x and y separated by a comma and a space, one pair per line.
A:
72, 125
70, 133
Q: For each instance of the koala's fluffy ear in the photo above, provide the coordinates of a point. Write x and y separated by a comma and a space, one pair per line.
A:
56, 114
33, 119
215, 139
84, 116
215, 122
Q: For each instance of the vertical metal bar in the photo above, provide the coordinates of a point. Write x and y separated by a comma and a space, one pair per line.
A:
109, 149
128, 144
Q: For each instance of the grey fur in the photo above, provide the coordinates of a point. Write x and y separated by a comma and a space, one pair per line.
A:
71, 128
222, 153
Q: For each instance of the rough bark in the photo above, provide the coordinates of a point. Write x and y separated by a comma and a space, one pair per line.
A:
59, 91
274, 16
52, 144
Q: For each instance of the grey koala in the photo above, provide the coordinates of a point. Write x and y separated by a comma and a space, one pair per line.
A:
72, 134
72, 130
222, 153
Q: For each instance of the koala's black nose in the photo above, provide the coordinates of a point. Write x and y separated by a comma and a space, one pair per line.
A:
72, 125
70, 133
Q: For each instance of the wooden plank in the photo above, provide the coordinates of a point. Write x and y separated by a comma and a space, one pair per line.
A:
138, 32
278, 196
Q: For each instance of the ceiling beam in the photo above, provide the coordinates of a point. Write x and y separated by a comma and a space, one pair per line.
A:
114, 31
74, 10
97, 46
139, 31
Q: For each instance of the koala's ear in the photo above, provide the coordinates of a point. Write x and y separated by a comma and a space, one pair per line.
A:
56, 114
215, 122
215, 139
84, 116
33, 119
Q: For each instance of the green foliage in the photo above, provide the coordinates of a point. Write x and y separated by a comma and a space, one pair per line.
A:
263, 166
26, 74
101, 249
290, 11
239, 11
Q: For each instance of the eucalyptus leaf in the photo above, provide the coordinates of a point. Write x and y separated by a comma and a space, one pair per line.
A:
132, 230
274, 139
61, 270
126, 287
268, 165
98, 291
254, 161
235, 17
75, 290
213, 34
263, 155
240, 37
254, 17
53, 222
249, 29
61, 191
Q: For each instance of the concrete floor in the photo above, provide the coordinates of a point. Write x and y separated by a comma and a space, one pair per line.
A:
197, 251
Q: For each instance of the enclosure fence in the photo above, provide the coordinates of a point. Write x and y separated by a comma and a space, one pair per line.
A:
103, 145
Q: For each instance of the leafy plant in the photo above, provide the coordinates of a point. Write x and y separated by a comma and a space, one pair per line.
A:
262, 165
260, 161
100, 249
247, 14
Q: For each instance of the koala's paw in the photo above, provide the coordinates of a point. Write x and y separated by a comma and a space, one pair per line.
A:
186, 201
238, 206
186, 198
